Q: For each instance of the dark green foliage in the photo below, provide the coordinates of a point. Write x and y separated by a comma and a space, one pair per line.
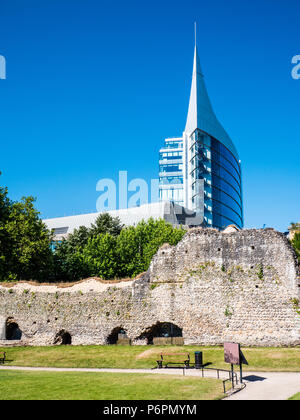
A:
295, 232
24, 241
5, 206
113, 252
137, 245
73, 263
68, 264
101, 257
106, 224
296, 244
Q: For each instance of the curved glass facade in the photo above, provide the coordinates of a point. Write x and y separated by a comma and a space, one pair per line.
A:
220, 172
201, 171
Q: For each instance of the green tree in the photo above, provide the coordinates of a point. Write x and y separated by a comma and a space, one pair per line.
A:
296, 244
25, 241
68, 263
154, 234
100, 256
136, 246
105, 223
5, 208
129, 253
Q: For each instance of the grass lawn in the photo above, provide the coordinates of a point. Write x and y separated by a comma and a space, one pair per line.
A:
113, 356
20, 385
295, 397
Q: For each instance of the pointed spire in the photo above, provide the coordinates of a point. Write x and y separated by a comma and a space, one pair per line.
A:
200, 113
199, 100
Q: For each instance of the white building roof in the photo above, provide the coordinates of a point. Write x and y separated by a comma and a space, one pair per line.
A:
165, 210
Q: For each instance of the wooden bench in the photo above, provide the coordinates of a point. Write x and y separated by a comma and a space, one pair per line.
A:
2, 356
163, 363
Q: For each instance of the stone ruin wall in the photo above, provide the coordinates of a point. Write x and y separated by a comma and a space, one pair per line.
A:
241, 286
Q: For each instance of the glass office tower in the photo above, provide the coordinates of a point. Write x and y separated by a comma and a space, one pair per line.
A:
170, 171
207, 174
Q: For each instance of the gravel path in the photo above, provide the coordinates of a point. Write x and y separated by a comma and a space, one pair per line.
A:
259, 385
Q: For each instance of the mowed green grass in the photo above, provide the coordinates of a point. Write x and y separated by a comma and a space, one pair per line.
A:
113, 356
295, 397
21, 385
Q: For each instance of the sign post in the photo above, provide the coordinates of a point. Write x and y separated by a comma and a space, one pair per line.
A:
234, 356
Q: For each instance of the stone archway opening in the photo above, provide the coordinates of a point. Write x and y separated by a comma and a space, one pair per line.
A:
63, 338
163, 333
118, 336
12, 330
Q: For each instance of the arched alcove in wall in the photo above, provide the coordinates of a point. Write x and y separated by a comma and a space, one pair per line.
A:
63, 337
12, 330
161, 329
115, 334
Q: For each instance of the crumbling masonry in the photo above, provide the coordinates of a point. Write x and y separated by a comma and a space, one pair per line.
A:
212, 287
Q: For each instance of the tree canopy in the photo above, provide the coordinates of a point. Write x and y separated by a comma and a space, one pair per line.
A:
109, 250
24, 241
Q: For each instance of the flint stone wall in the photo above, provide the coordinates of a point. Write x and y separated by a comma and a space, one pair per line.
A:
240, 286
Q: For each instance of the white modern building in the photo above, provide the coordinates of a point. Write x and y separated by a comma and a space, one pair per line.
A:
201, 170
166, 210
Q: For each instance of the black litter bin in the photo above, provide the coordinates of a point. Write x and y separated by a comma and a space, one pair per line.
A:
198, 359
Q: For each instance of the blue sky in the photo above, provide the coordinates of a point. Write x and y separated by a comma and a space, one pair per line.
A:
94, 87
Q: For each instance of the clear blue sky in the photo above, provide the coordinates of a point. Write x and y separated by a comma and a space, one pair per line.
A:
94, 87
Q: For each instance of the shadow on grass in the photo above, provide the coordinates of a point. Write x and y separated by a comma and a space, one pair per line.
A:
207, 364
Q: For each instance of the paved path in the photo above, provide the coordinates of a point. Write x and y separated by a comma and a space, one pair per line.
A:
173, 371
259, 385
268, 386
